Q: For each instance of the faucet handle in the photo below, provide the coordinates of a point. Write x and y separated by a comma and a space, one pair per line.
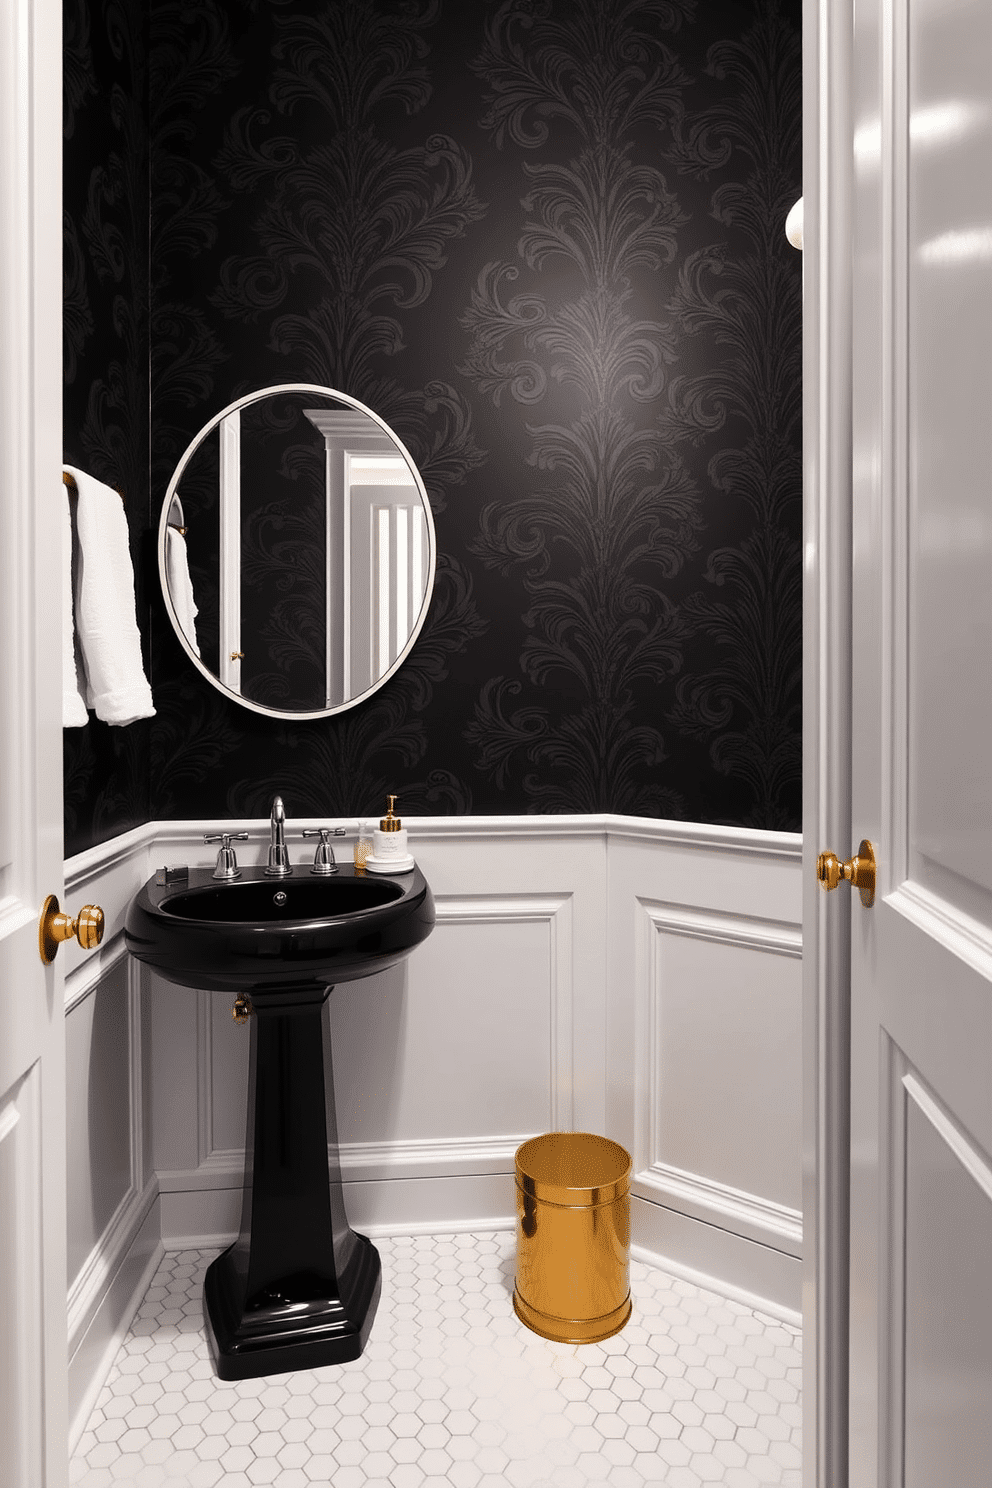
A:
323, 862
227, 863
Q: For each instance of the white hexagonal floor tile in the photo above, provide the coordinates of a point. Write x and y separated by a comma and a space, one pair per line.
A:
454, 1392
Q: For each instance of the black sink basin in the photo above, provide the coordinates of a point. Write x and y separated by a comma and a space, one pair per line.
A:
251, 900
256, 931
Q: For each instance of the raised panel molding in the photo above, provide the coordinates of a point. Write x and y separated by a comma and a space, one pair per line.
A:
717, 1203
86, 977
961, 934
776, 936
88, 1286
974, 1162
694, 1194
554, 910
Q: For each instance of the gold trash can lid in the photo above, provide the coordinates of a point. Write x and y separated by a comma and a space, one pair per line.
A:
573, 1168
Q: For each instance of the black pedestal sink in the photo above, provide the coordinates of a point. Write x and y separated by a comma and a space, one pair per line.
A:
298, 1288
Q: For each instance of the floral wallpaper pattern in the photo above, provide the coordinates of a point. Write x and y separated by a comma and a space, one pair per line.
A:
544, 240
105, 353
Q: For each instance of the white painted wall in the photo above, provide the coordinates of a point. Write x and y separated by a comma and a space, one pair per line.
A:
619, 975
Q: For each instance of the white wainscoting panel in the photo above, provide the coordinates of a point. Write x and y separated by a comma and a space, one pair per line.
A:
721, 1021
98, 1102
705, 1027
113, 1241
470, 1039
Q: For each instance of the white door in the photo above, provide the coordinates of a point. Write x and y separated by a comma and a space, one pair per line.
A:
32, 1083
921, 984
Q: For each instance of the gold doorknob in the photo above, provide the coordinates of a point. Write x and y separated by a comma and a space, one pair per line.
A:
242, 1009
859, 871
54, 927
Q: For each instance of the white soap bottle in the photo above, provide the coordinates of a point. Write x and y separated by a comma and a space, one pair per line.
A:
390, 853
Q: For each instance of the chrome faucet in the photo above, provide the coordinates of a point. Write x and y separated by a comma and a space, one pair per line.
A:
278, 864
324, 861
227, 863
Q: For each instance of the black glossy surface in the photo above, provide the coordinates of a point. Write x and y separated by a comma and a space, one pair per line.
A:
234, 936
298, 1288
247, 901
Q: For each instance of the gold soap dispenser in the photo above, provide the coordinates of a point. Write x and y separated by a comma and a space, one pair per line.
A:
390, 851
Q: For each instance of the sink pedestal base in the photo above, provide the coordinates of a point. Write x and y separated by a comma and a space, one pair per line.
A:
298, 1288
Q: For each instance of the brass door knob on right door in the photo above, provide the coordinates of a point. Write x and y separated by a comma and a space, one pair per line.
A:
859, 871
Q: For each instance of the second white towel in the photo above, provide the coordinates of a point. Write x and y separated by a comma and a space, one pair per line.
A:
177, 574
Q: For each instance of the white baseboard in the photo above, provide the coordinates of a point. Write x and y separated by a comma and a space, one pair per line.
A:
89, 1287
368, 1162
718, 1287
409, 1205
768, 1280
200, 1218
747, 1215
95, 1343
482, 1225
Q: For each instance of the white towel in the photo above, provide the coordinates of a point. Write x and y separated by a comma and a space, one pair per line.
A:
109, 641
180, 584
73, 706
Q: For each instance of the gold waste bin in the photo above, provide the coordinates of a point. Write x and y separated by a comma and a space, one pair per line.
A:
573, 1236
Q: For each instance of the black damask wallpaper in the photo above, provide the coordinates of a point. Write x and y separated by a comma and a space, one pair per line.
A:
545, 241
105, 352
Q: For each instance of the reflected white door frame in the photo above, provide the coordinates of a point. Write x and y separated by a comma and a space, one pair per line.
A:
351, 438
229, 584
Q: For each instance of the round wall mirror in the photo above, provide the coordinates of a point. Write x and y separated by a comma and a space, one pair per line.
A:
296, 551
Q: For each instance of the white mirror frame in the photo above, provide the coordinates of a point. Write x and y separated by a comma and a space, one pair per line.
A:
431, 564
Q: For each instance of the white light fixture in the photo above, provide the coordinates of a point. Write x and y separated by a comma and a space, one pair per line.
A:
794, 225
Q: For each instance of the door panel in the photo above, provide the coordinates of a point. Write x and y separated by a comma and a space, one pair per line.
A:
950, 448
948, 1327
921, 958
33, 1383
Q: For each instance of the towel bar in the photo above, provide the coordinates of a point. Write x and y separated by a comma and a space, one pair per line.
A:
73, 489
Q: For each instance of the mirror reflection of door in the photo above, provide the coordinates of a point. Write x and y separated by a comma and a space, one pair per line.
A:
385, 583
375, 551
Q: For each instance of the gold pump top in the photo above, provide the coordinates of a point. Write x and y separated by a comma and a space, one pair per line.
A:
390, 822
